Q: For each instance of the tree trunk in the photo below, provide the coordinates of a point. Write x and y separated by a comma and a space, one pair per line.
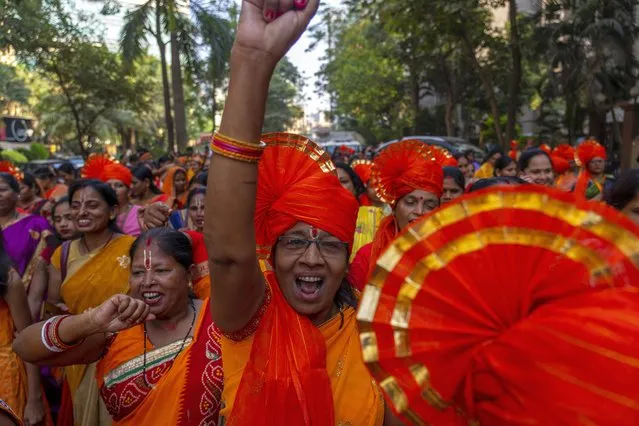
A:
179, 111
488, 86
415, 89
165, 79
449, 118
515, 75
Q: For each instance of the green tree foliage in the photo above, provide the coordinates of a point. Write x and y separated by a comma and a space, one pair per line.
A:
367, 80
282, 105
589, 64
12, 88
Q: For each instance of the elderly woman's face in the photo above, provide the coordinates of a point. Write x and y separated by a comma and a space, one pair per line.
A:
310, 265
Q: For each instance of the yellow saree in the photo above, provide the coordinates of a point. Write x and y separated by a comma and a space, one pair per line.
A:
368, 219
91, 279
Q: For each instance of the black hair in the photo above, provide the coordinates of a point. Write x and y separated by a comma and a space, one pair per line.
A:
459, 155
10, 180
494, 151
163, 160
624, 189
457, 175
106, 192
503, 162
60, 201
44, 173
193, 193
142, 172
171, 242
500, 180
357, 182
529, 154
200, 179
29, 180
134, 158
67, 168
5, 266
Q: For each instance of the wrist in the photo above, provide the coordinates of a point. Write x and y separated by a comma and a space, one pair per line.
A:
256, 60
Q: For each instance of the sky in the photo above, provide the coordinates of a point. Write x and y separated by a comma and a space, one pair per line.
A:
309, 64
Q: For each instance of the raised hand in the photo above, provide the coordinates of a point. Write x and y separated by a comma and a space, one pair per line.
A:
270, 27
119, 313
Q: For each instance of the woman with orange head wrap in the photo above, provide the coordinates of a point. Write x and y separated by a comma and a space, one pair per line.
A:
592, 181
175, 185
289, 340
120, 179
566, 176
410, 178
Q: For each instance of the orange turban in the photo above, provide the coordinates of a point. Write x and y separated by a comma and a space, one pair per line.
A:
516, 305
95, 165
589, 150
564, 151
561, 165
400, 169
363, 169
584, 154
406, 166
297, 182
8, 167
119, 172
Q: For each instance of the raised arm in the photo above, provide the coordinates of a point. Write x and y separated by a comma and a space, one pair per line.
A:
237, 286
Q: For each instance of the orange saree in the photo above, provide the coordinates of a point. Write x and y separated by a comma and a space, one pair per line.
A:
91, 279
356, 398
185, 387
13, 377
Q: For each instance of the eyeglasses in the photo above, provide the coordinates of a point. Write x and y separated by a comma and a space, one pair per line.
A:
327, 248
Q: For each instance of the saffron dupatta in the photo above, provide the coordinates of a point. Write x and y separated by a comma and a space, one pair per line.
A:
194, 376
248, 363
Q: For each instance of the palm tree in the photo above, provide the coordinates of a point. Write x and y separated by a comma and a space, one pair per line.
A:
149, 18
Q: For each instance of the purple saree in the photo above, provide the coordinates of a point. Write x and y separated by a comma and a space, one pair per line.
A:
23, 241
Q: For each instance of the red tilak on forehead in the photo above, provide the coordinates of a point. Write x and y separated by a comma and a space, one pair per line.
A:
314, 233
147, 255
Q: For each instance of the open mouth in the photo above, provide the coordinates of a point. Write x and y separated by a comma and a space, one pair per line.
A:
84, 222
151, 297
308, 286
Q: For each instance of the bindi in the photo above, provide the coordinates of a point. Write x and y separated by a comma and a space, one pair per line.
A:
314, 233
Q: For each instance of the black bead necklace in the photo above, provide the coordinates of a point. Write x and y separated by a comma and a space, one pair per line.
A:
192, 305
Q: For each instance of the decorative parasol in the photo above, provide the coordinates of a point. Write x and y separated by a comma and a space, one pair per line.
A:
510, 306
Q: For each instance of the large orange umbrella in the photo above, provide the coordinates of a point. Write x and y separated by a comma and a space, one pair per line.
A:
511, 306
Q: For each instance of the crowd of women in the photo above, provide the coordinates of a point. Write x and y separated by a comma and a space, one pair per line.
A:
272, 285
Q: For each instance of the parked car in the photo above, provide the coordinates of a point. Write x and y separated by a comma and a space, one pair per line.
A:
31, 166
451, 144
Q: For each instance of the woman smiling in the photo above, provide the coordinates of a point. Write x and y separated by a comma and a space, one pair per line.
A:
159, 342
86, 272
409, 178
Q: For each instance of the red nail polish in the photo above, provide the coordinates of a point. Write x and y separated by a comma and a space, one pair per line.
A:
300, 4
270, 15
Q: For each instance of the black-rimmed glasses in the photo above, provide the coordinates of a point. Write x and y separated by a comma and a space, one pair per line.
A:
327, 248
